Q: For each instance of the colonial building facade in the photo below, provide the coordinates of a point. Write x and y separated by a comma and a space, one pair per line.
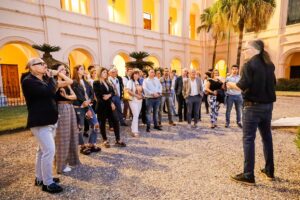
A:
105, 32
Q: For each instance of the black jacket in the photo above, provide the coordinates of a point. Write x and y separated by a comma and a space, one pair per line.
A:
79, 91
40, 100
258, 81
121, 86
179, 85
103, 106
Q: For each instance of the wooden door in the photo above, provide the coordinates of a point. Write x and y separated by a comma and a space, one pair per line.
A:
10, 80
147, 24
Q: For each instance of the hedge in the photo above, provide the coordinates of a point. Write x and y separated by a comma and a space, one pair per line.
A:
288, 84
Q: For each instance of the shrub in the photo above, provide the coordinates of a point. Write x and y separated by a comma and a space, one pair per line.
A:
288, 84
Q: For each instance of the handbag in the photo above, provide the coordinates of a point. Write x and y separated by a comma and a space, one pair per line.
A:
127, 96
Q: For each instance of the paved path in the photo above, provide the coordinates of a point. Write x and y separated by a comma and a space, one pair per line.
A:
177, 163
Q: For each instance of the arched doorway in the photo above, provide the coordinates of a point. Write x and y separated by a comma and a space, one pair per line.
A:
195, 65
79, 57
119, 61
154, 60
222, 67
13, 59
176, 65
292, 64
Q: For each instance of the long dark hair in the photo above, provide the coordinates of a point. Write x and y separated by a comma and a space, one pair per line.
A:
75, 73
260, 46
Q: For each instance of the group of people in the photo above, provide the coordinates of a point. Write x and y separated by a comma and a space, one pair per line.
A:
61, 110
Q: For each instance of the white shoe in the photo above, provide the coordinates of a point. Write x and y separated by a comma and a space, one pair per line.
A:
67, 169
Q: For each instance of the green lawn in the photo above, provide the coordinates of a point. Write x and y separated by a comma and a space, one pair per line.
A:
288, 93
13, 117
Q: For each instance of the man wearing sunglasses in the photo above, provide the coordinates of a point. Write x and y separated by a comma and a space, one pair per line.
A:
39, 88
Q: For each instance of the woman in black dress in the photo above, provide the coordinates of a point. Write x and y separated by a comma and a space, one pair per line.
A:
105, 108
213, 86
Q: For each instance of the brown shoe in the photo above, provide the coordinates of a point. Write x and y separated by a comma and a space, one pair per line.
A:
172, 123
106, 144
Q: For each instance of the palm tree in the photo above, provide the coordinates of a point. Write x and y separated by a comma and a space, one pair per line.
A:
227, 10
211, 22
47, 57
252, 15
139, 62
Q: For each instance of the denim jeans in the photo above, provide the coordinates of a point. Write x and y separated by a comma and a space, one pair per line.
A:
45, 153
168, 100
257, 116
117, 101
152, 104
80, 114
237, 100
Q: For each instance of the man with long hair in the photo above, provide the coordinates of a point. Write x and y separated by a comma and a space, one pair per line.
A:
258, 86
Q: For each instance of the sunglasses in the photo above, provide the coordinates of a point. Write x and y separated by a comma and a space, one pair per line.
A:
39, 63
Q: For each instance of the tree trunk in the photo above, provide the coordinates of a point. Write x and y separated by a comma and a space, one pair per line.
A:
241, 35
228, 50
214, 54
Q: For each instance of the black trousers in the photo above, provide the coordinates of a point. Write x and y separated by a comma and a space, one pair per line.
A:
144, 112
181, 105
113, 117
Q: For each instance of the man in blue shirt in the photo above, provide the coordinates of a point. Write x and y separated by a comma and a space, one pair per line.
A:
234, 96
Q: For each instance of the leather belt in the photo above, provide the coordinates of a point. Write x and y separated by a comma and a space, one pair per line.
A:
251, 103
64, 102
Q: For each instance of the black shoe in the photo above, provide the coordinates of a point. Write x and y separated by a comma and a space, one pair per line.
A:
40, 183
85, 151
148, 129
124, 124
52, 188
158, 128
241, 178
226, 125
85, 134
120, 144
95, 149
240, 124
267, 175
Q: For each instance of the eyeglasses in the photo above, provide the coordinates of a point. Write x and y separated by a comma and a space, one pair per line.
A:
39, 63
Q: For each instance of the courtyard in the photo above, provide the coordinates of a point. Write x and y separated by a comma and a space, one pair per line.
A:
176, 163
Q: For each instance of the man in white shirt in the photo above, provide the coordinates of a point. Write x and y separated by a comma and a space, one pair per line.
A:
113, 79
152, 90
193, 93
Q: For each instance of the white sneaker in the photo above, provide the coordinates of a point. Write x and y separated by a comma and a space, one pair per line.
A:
67, 169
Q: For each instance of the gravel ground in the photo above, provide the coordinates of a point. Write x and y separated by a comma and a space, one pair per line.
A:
176, 163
